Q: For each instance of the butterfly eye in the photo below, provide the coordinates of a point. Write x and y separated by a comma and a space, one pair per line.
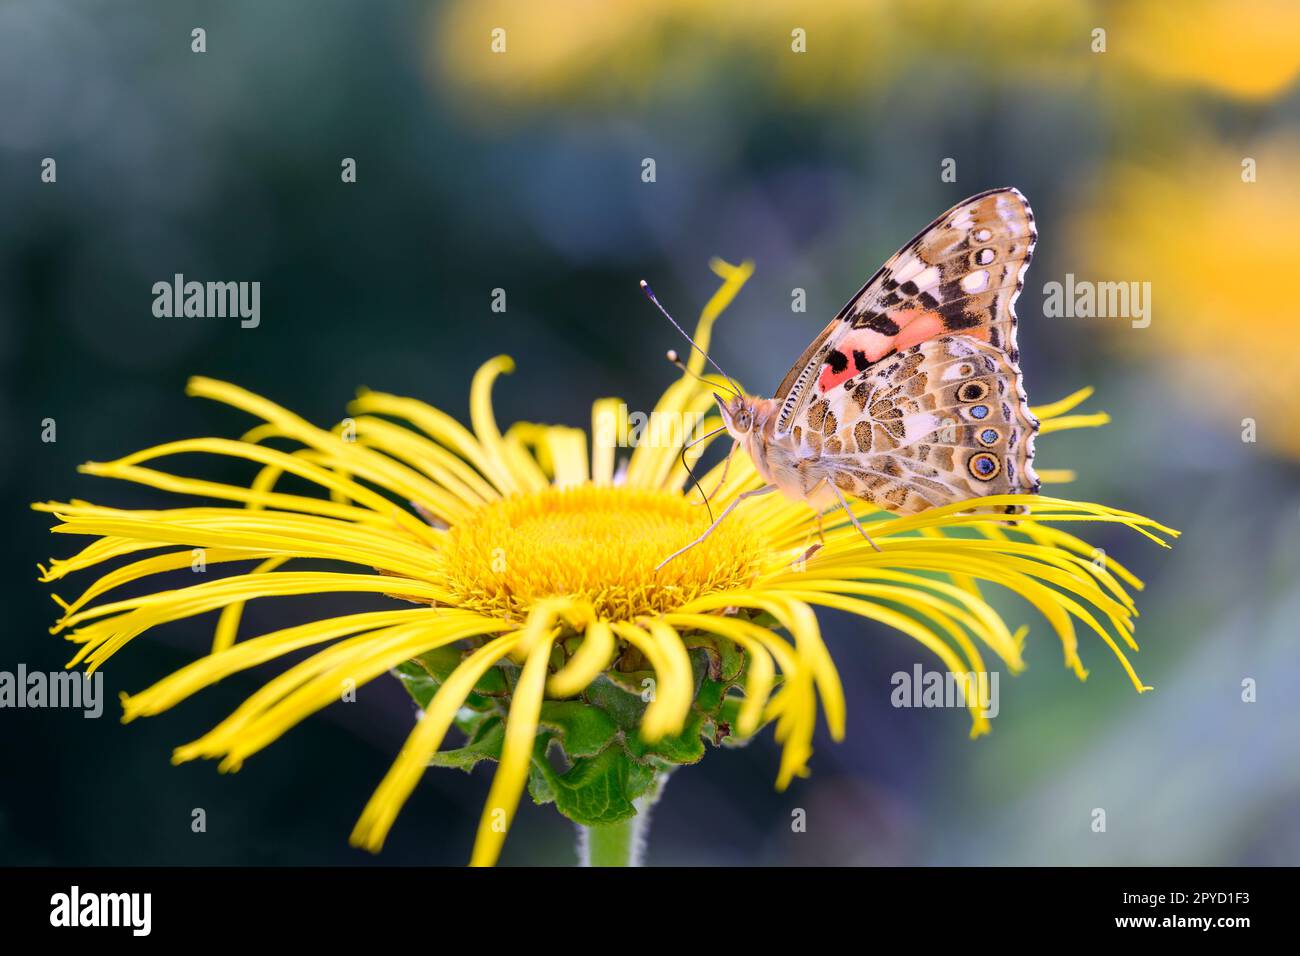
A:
743, 420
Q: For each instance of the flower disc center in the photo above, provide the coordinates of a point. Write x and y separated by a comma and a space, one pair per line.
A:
597, 543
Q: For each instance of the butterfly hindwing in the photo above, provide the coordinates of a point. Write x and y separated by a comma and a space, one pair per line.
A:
940, 421
960, 275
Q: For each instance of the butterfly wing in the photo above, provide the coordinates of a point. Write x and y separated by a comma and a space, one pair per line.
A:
938, 422
961, 274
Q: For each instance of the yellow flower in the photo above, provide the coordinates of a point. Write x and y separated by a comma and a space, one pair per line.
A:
1246, 50
1217, 327
581, 51
532, 557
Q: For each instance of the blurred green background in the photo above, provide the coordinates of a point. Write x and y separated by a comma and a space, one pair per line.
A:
522, 171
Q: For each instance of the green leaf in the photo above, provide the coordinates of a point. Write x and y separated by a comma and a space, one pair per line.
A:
584, 730
728, 717
726, 660
635, 683
686, 747
539, 772
418, 683
423, 675
484, 744
601, 764
710, 695
623, 706
598, 790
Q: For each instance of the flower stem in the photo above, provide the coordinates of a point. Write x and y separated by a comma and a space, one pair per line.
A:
616, 844
622, 843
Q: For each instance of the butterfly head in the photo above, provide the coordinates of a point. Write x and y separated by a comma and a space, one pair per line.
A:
739, 414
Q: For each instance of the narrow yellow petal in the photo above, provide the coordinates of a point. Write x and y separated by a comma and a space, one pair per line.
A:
1056, 476
323, 679
427, 456
762, 671
919, 632
207, 671
516, 756
797, 618
439, 426
228, 623
672, 701
1060, 407
733, 279
652, 460
104, 638
1073, 421
587, 663
355, 459
377, 818
674, 653
126, 469
568, 450
509, 471
608, 422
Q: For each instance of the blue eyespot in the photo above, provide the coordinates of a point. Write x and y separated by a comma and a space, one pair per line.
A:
988, 436
984, 466
979, 411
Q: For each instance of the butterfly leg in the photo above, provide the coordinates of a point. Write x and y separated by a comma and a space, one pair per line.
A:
752, 493
721, 481
852, 516
814, 548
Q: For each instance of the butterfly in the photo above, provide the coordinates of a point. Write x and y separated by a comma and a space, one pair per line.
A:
912, 396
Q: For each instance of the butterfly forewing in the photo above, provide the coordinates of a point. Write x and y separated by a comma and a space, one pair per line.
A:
959, 275
912, 396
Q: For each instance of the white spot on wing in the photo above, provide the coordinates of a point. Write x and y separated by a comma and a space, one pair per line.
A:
953, 371
975, 281
928, 278
907, 268
918, 427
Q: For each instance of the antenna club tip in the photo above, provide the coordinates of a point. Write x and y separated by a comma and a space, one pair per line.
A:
644, 284
673, 356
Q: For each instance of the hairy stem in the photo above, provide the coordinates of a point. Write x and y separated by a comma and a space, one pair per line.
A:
622, 843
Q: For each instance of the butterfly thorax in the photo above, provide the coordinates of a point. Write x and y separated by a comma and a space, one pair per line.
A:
777, 456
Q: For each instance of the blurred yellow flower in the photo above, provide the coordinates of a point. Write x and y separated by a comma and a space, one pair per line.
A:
1216, 250
576, 50
1244, 48
599, 51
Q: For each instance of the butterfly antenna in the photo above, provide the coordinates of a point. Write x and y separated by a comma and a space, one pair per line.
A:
695, 481
645, 287
676, 359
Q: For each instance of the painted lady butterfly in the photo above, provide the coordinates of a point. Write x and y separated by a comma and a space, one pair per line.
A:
912, 396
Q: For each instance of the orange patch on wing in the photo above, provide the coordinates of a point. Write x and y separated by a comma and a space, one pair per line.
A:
871, 344
830, 378
917, 326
